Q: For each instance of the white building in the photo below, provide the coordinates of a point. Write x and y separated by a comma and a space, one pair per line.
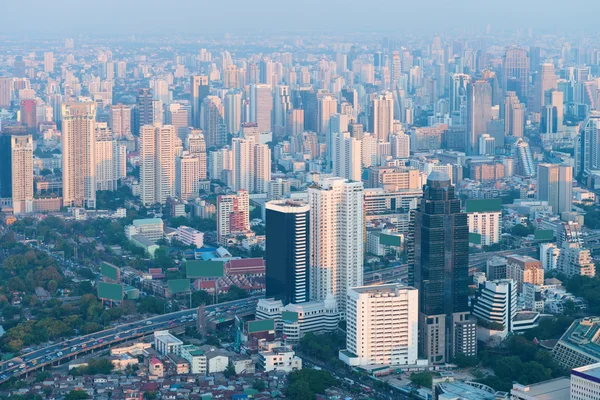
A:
196, 358
187, 173
312, 316
281, 358
485, 219
216, 361
497, 302
400, 145
157, 163
549, 253
336, 239
574, 260
21, 148
110, 159
189, 236
251, 165
233, 214
270, 309
585, 382
150, 228
347, 156
382, 326
165, 343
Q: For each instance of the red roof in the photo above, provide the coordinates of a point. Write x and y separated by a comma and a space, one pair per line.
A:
155, 361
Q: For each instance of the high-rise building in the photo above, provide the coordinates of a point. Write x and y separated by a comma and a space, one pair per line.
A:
261, 106
6, 91
251, 165
555, 185
29, 114
195, 145
479, 113
381, 116
546, 81
233, 111
516, 72
485, 219
589, 149
187, 172
327, 106
400, 145
78, 154
347, 156
525, 164
157, 164
144, 113
524, 269
282, 105
336, 239
110, 157
295, 122
514, 115
382, 325
287, 251
48, 62
458, 91
439, 266
213, 122
198, 92
21, 149
233, 215
120, 121
160, 90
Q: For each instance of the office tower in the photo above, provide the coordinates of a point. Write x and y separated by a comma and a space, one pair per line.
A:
382, 325
546, 81
338, 123
479, 113
230, 77
177, 115
160, 90
19, 67
400, 145
187, 172
219, 164
261, 106
120, 121
516, 72
525, 165
487, 145
282, 105
367, 74
251, 165
144, 114
588, 153
514, 115
48, 62
356, 130
121, 69
295, 122
549, 120
78, 154
157, 164
233, 111
327, 106
396, 70
196, 146
555, 185
109, 155
21, 148
266, 72
347, 156
213, 114
6, 91
458, 90
287, 251
157, 112
439, 266
199, 90
381, 116
336, 239
557, 101
233, 215
496, 302
535, 58
29, 114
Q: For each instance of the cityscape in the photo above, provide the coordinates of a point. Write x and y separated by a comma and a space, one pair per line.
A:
217, 209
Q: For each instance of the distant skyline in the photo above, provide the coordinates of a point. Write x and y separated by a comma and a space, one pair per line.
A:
194, 17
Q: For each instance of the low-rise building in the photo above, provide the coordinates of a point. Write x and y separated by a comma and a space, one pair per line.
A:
165, 343
281, 358
156, 367
585, 382
189, 236
216, 361
150, 228
555, 389
196, 358
580, 344
122, 361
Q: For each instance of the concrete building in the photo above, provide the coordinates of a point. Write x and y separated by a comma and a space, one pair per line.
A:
165, 343
189, 236
187, 173
336, 239
555, 185
233, 214
78, 154
585, 382
497, 302
578, 346
120, 121
524, 269
251, 165
347, 156
312, 316
382, 326
150, 228
554, 389
261, 106
485, 220
157, 163
496, 268
21, 159
196, 358
281, 358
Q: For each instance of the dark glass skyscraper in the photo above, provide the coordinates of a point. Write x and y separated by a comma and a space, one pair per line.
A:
144, 113
439, 267
287, 251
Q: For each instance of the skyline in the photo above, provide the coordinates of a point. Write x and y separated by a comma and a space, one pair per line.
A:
137, 17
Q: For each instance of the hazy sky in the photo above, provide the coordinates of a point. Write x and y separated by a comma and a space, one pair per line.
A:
214, 17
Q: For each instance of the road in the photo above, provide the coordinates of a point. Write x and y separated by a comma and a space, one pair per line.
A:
71, 348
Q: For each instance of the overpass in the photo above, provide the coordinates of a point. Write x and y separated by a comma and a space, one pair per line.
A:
58, 353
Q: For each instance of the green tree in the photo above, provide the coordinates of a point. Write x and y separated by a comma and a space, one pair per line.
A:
534, 372
463, 361
150, 395
77, 395
508, 367
299, 391
229, 371
259, 385
423, 379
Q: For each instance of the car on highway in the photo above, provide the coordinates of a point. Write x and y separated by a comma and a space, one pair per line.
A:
148, 322
102, 340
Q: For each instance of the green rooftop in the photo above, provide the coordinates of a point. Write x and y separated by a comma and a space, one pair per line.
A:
289, 316
474, 238
261, 325
204, 269
487, 205
178, 285
543, 234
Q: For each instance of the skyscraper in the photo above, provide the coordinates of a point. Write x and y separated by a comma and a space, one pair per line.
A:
233, 215
546, 81
336, 239
514, 115
48, 62
439, 266
516, 72
78, 154
29, 114
187, 167
144, 113
287, 251
196, 145
199, 90
261, 106
251, 165
233, 111
555, 185
157, 163
327, 107
381, 116
22, 173
213, 122
347, 156
282, 104
479, 113
109, 157
6, 90
120, 120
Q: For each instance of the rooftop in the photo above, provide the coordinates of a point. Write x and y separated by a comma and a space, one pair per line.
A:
554, 389
390, 287
590, 372
583, 335
147, 221
469, 391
